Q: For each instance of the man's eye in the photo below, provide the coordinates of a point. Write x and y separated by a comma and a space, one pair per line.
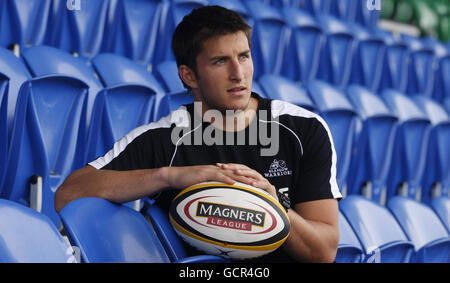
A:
219, 61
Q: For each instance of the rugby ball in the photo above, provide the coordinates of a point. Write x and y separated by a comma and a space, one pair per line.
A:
234, 221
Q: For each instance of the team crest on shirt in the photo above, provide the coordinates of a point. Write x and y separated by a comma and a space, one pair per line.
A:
278, 168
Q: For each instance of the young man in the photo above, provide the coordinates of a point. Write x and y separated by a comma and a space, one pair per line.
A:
223, 140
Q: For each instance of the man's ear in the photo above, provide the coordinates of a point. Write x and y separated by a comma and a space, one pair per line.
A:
188, 76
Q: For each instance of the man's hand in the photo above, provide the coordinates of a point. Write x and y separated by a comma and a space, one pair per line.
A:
183, 177
252, 177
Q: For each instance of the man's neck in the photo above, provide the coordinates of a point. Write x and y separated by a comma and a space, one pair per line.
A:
232, 120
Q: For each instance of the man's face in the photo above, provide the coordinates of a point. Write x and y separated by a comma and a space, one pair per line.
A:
224, 73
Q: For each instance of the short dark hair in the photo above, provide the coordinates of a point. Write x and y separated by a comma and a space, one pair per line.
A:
200, 25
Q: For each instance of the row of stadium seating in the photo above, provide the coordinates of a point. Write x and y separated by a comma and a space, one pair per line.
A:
137, 29
301, 44
57, 112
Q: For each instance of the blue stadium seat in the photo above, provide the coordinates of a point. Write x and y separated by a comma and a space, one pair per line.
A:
424, 228
441, 205
349, 248
268, 38
446, 105
410, 147
177, 94
27, 236
373, 146
340, 116
301, 56
381, 237
367, 64
118, 110
170, 240
15, 71
337, 52
48, 140
277, 87
316, 7
114, 69
237, 6
23, 22
436, 178
46, 60
13, 74
167, 74
441, 87
395, 63
116, 233
365, 16
4, 84
344, 9
421, 68
172, 14
79, 29
134, 28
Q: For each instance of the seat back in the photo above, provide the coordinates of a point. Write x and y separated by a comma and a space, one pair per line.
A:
172, 14
4, 84
349, 248
28, 236
441, 205
421, 68
302, 53
381, 237
23, 22
338, 112
344, 9
167, 73
395, 64
48, 138
268, 38
46, 60
410, 148
114, 69
374, 144
116, 234
337, 53
277, 87
133, 30
368, 59
368, 12
118, 110
79, 29
15, 71
436, 178
424, 228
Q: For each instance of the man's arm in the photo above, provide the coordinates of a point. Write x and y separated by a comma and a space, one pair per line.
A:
125, 186
314, 234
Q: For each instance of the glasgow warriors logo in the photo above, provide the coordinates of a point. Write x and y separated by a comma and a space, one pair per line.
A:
278, 168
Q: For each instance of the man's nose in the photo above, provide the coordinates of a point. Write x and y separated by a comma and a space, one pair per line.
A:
236, 73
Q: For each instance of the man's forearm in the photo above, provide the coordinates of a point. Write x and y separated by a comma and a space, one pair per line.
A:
311, 241
116, 186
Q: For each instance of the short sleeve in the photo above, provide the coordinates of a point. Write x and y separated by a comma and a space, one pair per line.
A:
317, 174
